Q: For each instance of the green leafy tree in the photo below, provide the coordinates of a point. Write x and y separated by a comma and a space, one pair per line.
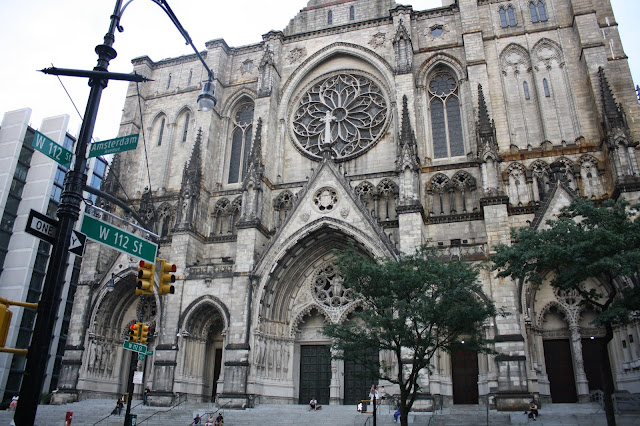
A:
587, 242
412, 307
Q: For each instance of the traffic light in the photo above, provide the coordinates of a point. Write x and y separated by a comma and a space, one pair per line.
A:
144, 330
146, 275
166, 278
5, 322
134, 332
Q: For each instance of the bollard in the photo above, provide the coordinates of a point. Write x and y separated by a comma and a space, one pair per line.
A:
68, 418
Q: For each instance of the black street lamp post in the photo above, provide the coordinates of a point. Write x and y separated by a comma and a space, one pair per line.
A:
69, 208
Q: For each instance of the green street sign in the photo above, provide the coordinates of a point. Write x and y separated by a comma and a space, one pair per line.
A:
149, 352
52, 150
112, 146
135, 347
141, 357
114, 237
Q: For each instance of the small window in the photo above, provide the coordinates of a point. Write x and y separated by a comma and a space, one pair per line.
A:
534, 12
190, 76
352, 13
526, 90
503, 18
247, 66
160, 132
545, 84
330, 18
186, 127
542, 12
437, 31
169, 81
512, 16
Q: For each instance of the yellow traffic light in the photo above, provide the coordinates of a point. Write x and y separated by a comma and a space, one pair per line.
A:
146, 275
5, 322
134, 332
166, 278
144, 330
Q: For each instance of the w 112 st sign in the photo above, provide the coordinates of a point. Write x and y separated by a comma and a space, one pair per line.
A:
52, 150
119, 239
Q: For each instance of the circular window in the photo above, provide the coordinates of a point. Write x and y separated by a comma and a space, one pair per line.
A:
327, 287
344, 115
325, 199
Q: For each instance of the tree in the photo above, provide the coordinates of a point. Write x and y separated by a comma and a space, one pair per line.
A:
586, 243
410, 307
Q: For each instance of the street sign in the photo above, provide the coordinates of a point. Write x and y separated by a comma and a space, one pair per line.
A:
111, 146
121, 240
135, 347
149, 352
77, 243
141, 357
52, 150
42, 226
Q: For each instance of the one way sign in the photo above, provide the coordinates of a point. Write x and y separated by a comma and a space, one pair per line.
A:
77, 243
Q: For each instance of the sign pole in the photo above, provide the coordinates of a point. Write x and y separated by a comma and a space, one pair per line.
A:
68, 213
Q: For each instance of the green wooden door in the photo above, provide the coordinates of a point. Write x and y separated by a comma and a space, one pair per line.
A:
315, 373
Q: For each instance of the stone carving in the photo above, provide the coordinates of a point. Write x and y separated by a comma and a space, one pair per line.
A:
327, 287
325, 199
377, 40
296, 55
246, 67
344, 212
343, 114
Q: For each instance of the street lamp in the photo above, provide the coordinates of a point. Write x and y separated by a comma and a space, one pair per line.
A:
69, 207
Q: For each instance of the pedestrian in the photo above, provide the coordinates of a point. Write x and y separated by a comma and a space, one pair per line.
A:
196, 420
145, 396
119, 406
373, 394
219, 420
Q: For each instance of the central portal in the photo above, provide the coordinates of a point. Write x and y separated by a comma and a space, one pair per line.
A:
315, 373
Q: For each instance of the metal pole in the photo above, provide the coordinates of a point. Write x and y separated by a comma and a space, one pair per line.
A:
133, 365
68, 213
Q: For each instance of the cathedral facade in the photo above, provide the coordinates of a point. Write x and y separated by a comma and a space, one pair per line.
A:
371, 123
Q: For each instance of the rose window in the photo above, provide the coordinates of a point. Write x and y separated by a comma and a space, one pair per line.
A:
327, 287
343, 115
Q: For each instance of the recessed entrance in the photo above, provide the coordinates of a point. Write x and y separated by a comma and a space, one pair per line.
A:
562, 382
593, 359
315, 373
464, 375
357, 382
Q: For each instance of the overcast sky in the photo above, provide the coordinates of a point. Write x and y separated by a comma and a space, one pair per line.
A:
35, 34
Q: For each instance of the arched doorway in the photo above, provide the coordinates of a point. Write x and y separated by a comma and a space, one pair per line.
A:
105, 362
315, 360
464, 375
558, 356
201, 347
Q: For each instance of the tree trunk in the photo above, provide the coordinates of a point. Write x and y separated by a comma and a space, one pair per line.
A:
605, 371
404, 418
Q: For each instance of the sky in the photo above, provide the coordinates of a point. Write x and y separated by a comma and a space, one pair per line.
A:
35, 34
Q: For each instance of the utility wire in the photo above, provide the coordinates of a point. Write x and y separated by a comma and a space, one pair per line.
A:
144, 140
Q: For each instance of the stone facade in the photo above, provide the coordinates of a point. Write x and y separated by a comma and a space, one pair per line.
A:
370, 123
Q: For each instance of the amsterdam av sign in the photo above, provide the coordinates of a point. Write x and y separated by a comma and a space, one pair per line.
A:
119, 239
112, 146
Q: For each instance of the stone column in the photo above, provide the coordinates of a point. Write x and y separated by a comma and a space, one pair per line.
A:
582, 385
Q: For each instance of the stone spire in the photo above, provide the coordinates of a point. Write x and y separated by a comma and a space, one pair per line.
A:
407, 152
403, 49
613, 118
485, 131
266, 73
252, 183
190, 189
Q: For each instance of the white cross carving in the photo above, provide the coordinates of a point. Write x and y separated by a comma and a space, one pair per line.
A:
327, 119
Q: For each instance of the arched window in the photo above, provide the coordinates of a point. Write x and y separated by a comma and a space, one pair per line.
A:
503, 18
240, 142
512, 16
525, 85
352, 13
534, 12
542, 12
185, 129
446, 122
545, 85
330, 18
538, 12
160, 132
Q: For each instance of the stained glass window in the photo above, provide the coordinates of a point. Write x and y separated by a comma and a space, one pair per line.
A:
446, 119
240, 142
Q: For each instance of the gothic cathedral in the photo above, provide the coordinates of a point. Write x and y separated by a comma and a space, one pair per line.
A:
370, 123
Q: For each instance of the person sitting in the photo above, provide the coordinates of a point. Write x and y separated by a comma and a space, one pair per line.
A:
533, 410
313, 404
396, 414
209, 421
219, 420
14, 403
